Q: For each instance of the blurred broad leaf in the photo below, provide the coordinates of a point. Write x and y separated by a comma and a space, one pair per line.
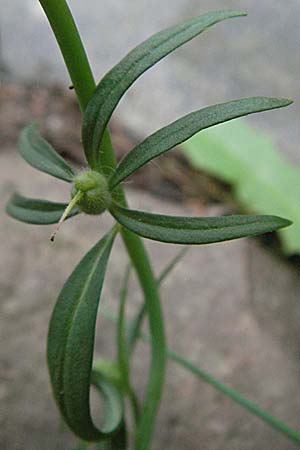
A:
262, 181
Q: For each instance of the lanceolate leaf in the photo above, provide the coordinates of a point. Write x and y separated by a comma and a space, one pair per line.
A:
195, 230
39, 154
36, 211
184, 128
71, 345
116, 82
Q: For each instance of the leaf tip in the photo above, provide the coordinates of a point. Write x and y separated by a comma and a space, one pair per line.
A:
282, 222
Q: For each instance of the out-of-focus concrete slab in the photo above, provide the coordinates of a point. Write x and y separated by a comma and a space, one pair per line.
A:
231, 308
258, 55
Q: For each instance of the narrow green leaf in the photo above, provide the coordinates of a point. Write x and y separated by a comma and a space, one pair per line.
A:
121, 344
41, 155
277, 424
171, 265
181, 130
262, 180
36, 211
195, 230
71, 345
116, 82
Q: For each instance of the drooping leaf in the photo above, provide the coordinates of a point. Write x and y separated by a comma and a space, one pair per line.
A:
116, 82
181, 130
71, 344
41, 155
262, 181
36, 211
195, 230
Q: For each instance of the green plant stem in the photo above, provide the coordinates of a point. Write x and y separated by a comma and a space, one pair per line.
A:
73, 52
68, 39
123, 360
148, 283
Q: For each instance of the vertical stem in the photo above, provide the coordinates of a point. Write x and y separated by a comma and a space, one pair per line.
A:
68, 39
148, 284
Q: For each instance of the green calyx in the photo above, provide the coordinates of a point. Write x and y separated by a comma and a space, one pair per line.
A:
95, 197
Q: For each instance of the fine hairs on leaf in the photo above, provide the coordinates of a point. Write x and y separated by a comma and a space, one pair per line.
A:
96, 189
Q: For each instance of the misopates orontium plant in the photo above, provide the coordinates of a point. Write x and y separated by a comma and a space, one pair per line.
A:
98, 189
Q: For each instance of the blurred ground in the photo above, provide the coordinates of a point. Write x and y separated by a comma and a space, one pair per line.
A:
232, 308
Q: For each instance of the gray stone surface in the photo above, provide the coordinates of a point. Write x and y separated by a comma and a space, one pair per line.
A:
243, 57
231, 308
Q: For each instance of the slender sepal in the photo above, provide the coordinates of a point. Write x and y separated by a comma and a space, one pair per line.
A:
37, 211
116, 82
184, 128
71, 346
41, 155
195, 230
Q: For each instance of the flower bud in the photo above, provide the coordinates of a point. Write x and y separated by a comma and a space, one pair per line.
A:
95, 198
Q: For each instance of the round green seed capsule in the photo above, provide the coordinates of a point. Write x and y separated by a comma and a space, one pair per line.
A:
95, 198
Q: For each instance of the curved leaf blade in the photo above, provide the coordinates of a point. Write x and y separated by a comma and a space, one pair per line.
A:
113, 401
37, 211
182, 129
71, 344
195, 230
116, 82
41, 155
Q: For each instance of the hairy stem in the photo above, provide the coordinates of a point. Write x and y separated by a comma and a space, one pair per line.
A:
68, 39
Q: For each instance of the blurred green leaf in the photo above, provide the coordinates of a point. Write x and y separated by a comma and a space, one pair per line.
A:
262, 181
110, 370
71, 346
195, 230
41, 155
182, 129
116, 82
36, 211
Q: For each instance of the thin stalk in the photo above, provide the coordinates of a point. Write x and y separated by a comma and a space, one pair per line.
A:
76, 60
123, 360
148, 283
68, 39
275, 423
136, 324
